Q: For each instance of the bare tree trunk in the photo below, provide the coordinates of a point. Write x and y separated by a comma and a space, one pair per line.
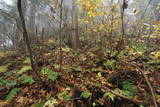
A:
120, 44
42, 36
25, 36
31, 25
60, 34
74, 36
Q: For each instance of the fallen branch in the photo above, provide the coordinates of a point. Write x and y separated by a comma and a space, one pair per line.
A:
135, 101
148, 83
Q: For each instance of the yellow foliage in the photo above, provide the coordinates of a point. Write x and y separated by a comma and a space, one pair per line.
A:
91, 6
3, 68
156, 54
7, 53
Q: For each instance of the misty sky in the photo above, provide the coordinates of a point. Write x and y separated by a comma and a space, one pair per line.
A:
9, 2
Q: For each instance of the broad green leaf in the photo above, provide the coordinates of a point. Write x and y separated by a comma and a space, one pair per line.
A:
86, 94
53, 76
38, 104
26, 79
77, 69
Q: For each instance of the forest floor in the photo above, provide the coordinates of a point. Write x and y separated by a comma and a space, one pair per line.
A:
89, 78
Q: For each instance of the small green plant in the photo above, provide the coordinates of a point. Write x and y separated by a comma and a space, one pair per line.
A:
82, 57
8, 74
66, 49
86, 94
64, 95
4, 82
54, 76
12, 94
111, 63
50, 74
129, 88
110, 95
138, 47
153, 64
99, 75
76, 69
24, 69
38, 104
26, 79
27, 60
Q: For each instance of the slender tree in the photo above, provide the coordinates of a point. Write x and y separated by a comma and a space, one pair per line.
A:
25, 36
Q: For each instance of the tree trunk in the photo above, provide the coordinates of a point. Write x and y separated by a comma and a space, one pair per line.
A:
31, 25
74, 35
25, 36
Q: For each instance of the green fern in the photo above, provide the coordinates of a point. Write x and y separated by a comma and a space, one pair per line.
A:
4, 82
12, 94
26, 79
